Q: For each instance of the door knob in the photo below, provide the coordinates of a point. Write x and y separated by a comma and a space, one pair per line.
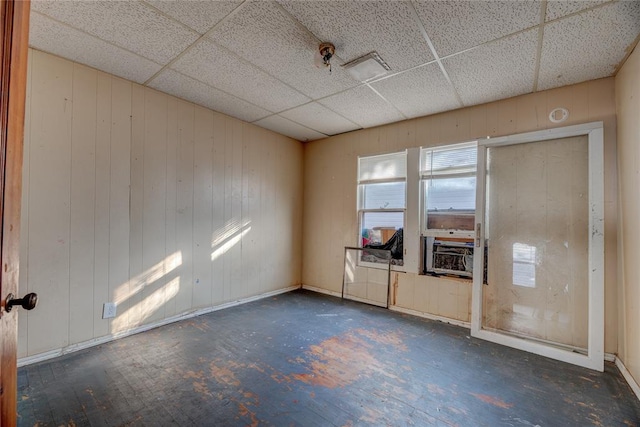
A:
28, 302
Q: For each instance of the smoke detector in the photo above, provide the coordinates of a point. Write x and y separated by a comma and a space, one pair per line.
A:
367, 67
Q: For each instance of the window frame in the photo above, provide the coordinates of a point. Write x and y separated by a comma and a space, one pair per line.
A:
361, 211
425, 176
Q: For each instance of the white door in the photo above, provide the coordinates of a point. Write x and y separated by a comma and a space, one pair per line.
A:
540, 215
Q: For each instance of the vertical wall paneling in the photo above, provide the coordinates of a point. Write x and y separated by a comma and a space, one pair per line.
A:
249, 269
224, 243
235, 250
267, 207
119, 178
23, 286
156, 284
128, 297
49, 191
278, 239
627, 98
217, 237
135, 197
184, 202
101, 181
202, 207
171, 253
82, 244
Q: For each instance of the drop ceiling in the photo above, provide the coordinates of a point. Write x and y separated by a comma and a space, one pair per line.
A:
254, 60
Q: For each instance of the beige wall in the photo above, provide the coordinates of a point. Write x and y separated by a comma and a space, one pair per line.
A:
134, 196
628, 111
330, 220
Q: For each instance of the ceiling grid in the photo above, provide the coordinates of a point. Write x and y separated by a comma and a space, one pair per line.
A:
254, 60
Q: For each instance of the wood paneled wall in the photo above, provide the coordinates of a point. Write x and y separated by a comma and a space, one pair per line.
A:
136, 197
330, 173
628, 111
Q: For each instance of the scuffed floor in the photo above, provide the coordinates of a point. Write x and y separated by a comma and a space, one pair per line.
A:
306, 359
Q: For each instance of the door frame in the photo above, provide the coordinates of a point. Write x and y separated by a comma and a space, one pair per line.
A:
14, 18
594, 359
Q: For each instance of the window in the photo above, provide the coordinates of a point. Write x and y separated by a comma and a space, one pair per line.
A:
448, 185
382, 201
448, 200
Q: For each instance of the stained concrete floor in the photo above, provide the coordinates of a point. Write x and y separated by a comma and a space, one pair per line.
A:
306, 359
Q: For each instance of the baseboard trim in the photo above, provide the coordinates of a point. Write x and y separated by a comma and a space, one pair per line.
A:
41, 357
322, 291
430, 316
627, 376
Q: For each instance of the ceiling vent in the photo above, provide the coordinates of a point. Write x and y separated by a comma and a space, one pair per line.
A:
367, 67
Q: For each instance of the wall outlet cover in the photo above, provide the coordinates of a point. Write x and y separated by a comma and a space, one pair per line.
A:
109, 310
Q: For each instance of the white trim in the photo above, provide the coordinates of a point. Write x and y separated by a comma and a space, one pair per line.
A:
595, 354
28, 360
462, 234
322, 291
411, 234
430, 316
596, 248
627, 376
381, 181
542, 135
479, 244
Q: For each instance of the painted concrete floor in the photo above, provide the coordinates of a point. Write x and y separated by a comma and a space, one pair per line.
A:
306, 359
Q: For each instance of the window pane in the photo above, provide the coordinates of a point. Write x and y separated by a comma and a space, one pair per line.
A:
388, 195
387, 166
378, 227
451, 194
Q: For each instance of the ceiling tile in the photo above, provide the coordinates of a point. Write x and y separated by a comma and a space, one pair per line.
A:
497, 70
184, 87
363, 106
289, 128
559, 8
131, 25
320, 118
265, 35
219, 68
570, 45
359, 27
51, 36
457, 25
198, 15
419, 92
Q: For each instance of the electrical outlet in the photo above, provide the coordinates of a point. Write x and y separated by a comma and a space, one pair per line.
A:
108, 310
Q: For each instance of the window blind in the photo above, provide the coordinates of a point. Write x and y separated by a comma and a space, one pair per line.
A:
456, 159
383, 167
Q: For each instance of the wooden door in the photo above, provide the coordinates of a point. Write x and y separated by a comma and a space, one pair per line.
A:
14, 21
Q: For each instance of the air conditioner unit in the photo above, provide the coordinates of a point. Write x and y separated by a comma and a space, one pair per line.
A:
448, 256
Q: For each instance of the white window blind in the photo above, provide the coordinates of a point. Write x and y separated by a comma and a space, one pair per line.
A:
451, 160
384, 167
